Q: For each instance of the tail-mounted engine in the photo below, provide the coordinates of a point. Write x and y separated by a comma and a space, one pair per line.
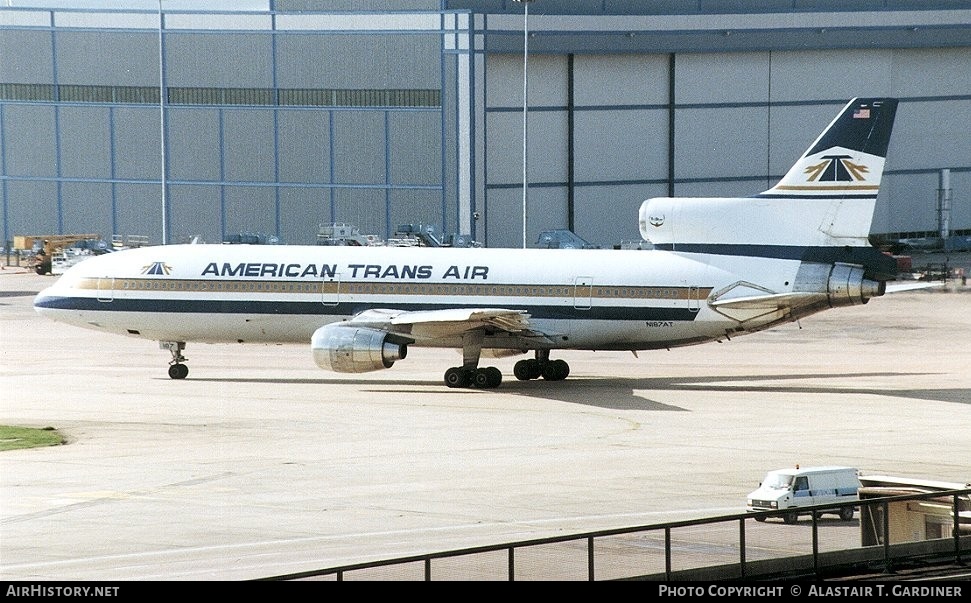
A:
348, 349
843, 284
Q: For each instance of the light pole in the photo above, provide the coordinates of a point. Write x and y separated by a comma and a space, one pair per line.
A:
525, 4
161, 118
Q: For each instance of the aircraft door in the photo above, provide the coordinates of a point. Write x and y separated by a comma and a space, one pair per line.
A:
106, 289
693, 288
582, 292
330, 290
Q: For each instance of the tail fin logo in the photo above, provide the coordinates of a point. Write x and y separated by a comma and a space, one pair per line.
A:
836, 168
159, 268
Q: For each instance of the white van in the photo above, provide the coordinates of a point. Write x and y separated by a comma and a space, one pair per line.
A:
797, 488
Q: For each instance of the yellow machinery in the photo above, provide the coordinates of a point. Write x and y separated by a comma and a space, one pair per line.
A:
52, 244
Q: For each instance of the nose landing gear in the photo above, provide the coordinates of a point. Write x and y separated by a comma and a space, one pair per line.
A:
177, 370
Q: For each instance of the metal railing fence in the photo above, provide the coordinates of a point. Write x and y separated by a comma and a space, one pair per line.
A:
577, 557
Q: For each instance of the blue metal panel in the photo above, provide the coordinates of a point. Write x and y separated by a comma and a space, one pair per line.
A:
227, 59
360, 147
27, 56
415, 148
624, 144
304, 144
85, 141
248, 144
738, 145
302, 210
29, 135
249, 209
139, 209
32, 206
198, 208
86, 206
106, 57
194, 144
135, 143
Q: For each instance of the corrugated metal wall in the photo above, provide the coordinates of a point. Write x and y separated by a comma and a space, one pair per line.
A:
276, 126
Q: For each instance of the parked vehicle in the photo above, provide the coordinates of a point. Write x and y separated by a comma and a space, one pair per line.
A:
795, 489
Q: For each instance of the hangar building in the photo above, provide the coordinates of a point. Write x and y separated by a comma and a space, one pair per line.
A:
282, 115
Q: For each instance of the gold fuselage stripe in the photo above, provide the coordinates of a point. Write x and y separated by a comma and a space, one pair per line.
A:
412, 288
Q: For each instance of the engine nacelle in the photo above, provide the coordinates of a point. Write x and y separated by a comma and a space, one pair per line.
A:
847, 287
842, 284
347, 349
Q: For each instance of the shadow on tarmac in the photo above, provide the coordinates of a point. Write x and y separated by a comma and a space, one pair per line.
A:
622, 393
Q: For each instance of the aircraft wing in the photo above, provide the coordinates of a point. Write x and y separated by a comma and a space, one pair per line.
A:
446, 322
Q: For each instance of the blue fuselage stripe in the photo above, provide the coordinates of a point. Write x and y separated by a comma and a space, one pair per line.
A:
352, 307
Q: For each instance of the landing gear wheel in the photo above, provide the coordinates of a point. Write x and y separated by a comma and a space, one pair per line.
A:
458, 376
487, 378
846, 513
527, 369
495, 376
178, 371
556, 370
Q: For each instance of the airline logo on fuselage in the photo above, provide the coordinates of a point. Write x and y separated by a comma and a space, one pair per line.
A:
263, 269
354, 271
157, 268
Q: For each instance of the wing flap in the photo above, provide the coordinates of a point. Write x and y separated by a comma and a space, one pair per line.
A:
446, 322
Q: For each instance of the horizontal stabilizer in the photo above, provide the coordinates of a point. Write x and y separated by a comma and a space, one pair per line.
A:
774, 301
898, 286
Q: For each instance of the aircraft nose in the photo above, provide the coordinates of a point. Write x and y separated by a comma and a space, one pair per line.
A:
41, 300
44, 300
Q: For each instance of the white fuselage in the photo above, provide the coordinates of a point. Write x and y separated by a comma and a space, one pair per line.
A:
581, 299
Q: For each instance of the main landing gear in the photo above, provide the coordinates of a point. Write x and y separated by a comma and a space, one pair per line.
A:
470, 375
177, 370
541, 366
484, 378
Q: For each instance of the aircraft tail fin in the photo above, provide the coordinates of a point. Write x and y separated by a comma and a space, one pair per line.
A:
847, 159
826, 200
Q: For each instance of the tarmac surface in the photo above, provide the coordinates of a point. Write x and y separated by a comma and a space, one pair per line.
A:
261, 464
